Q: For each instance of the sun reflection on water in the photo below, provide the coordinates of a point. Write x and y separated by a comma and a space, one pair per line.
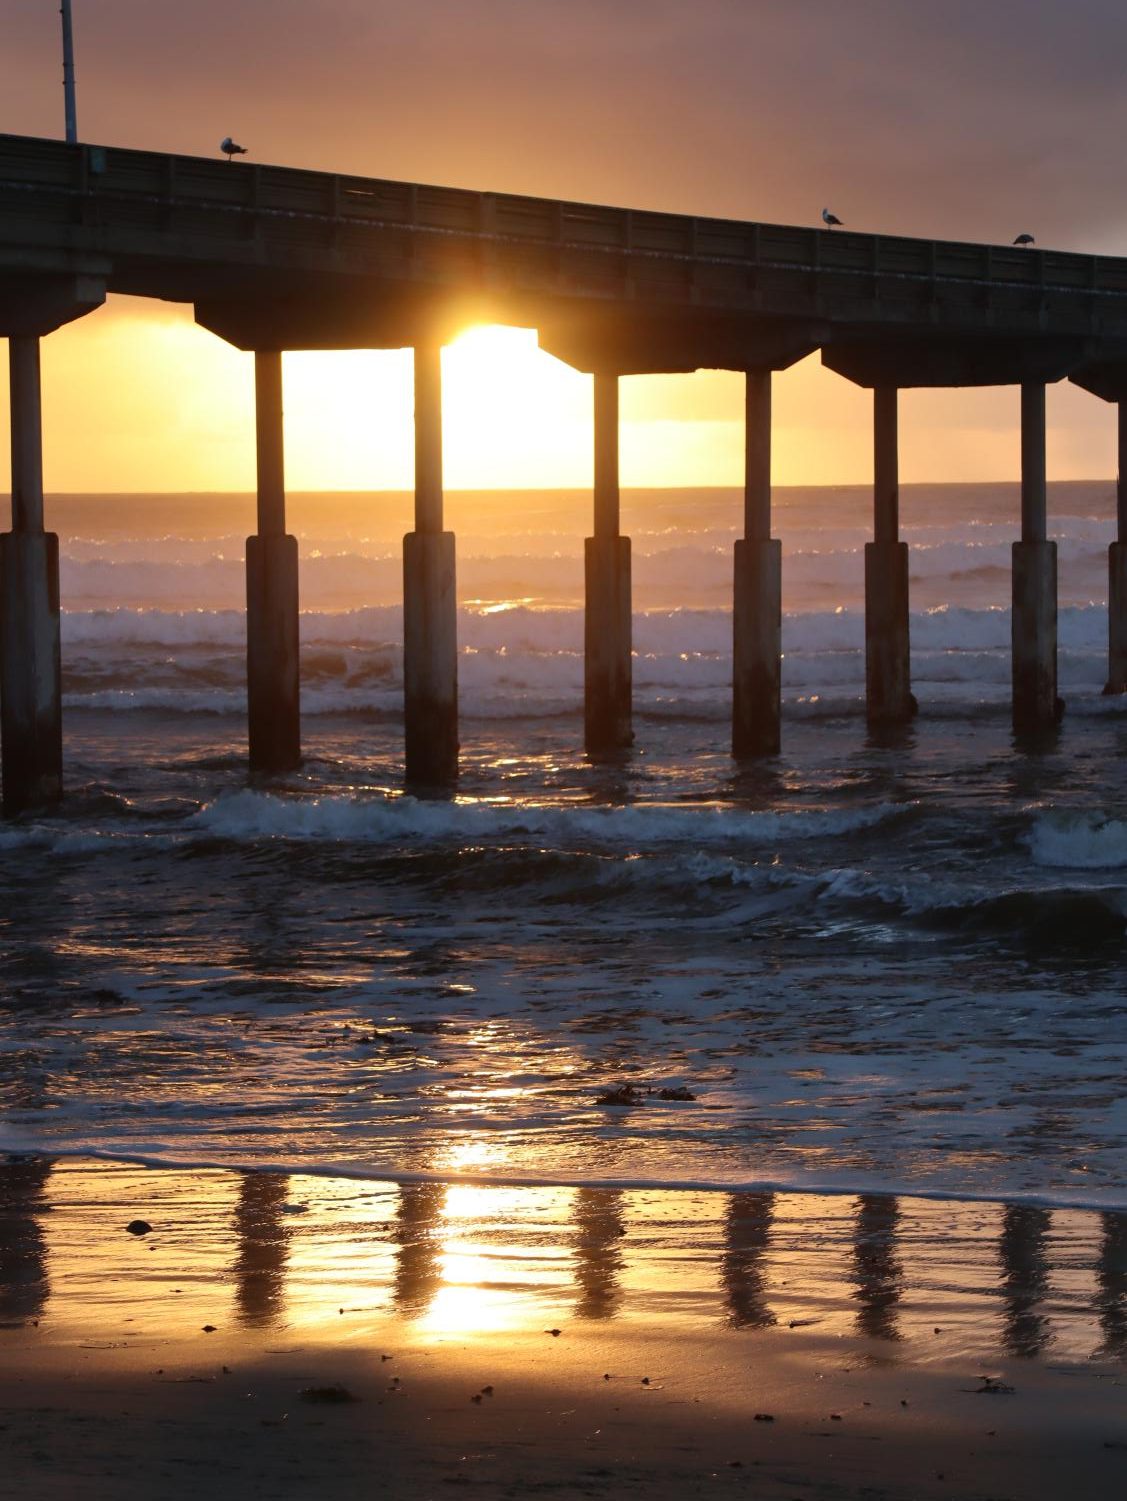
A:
467, 1261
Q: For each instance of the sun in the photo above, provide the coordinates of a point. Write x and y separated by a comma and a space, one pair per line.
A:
513, 416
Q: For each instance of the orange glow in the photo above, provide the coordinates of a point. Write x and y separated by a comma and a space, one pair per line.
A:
138, 398
461, 1263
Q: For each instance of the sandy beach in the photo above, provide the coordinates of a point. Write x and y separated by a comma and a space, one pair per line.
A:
318, 1337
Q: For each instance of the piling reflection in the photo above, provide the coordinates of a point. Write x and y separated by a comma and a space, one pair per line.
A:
747, 1233
599, 1229
878, 1273
1023, 1252
468, 1262
260, 1268
1111, 1281
24, 1285
418, 1260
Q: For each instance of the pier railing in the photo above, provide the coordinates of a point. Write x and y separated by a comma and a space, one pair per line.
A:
137, 204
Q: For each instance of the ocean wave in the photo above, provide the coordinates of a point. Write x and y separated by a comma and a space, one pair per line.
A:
1054, 916
258, 815
1078, 841
558, 628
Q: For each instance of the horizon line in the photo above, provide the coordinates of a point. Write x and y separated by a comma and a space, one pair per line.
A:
865, 485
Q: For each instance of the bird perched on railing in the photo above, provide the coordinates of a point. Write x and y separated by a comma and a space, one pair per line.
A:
229, 148
828, 219
1024, 240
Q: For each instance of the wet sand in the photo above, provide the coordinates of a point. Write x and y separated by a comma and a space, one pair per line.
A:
186, 1360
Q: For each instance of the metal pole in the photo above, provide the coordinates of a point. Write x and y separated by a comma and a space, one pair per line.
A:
886, 475
428, 437
757, 455
68, 74
606, 455
1033, 494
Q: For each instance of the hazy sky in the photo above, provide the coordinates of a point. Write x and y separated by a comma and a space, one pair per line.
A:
963, 120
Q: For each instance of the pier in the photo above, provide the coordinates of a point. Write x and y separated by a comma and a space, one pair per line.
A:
273, 259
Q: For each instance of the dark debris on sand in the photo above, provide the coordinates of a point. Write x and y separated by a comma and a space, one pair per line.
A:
336, 1394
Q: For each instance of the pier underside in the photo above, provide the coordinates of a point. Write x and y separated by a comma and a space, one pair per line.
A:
276, 260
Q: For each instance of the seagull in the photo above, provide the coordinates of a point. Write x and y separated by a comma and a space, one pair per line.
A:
1024, 240
229, 149
828, 219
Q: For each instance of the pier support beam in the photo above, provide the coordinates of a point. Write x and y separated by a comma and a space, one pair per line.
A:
607, 677
273, 673
31, 726
1117, 573
757, 609
430, 622
1034, 620
888, 683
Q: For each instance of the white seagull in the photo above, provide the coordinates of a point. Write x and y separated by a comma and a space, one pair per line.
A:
229, 149
828, 219
1024, 240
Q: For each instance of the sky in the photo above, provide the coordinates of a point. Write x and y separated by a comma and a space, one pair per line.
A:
960, 120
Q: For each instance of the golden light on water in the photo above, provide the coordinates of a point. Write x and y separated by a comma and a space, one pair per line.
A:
454, 1263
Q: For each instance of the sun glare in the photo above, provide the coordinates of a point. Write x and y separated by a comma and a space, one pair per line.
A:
513, 416
179, 415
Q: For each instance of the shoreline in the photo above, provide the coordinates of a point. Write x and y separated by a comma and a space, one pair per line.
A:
351, 1172
137, 1360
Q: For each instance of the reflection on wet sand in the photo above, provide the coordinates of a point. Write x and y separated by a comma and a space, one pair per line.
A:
418, 1261
1111, 1279
599, 1229
1022, 1251
878, 1273
463, 1260
747, 1230
260, 1268
24, 1287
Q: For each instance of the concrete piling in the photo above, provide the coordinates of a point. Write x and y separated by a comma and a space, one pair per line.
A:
888, 681
430, 622
273, 669
31, 734
1036, 705
1117, 573
757, 591
607, 674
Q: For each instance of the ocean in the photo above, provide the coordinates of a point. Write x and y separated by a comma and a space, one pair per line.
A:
870, 965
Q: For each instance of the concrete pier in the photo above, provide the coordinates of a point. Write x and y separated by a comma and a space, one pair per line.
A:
607, 675
1117, 572
757, 607
888, 682
273, 673
430, 621
1036, 705
31, 729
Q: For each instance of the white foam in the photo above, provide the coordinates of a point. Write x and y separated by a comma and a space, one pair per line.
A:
846, 1183
1078, 841
256, 815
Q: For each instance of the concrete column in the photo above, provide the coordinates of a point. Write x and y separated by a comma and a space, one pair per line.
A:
430, 621
273, 673
607, 679
1034, 618
1117, 573
757, 602
888, 677
31, 725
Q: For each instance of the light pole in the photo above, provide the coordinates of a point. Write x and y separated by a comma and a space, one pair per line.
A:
68, 74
